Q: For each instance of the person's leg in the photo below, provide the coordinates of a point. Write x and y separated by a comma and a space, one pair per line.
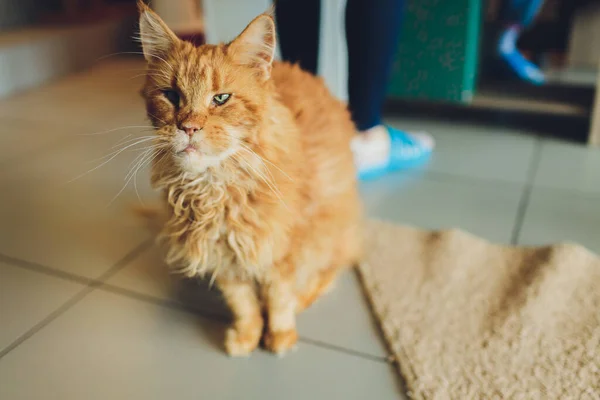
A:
518, 15
298, 30
372, 33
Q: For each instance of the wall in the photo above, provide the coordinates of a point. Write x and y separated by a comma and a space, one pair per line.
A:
584, 49
17, 13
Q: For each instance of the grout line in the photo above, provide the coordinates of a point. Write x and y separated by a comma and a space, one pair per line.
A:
91, 286
436, 175
432, 175
214, 317
162, 302
570, 191
340, 349
42, 269
123, 262
101, 284
526, 195
49, 318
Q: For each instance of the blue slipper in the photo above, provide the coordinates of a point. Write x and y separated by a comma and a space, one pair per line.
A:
408, 150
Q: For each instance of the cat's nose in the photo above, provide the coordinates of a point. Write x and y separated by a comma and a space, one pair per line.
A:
190, 128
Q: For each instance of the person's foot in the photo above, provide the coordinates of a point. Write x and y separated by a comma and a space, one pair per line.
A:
384, 149
508, 52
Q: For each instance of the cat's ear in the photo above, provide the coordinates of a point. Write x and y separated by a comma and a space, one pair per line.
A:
255, 46
156, 37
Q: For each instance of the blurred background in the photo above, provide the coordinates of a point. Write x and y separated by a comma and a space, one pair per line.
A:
446, 63
87, 307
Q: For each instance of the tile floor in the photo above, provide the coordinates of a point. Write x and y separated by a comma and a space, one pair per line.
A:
87, 310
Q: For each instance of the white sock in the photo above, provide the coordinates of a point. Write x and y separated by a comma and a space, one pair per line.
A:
371, 148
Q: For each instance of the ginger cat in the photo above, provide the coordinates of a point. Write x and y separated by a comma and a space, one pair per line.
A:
253, 159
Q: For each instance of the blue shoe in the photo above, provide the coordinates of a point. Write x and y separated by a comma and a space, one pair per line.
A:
519, 65
407, 150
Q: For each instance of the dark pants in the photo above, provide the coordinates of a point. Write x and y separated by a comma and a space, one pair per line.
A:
521, 11
372, 32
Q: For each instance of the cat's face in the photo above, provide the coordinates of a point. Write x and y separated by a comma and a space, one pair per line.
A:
206, 102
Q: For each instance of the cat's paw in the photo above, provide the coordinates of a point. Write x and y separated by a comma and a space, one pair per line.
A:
280, 342
240, 343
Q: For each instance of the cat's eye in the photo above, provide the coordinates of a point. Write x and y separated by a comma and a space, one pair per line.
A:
172, 96
220, 99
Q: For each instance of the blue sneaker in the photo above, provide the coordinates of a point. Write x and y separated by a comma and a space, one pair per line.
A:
519, 65
407, 150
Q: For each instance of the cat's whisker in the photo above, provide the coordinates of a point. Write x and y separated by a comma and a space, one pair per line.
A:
161, 59
134, 174
137, 193
118, 54
147, 70
116, 129
139, 139
260, 158
135, 161
263, 160
143, 161
256, 170
154, 146
159, 119
130, 174
147, 150
123, 141
146, 74
271, 185
165, 154
160, 147
133, 52
111, 157
128, 145
156, 70
266, 168
144, 68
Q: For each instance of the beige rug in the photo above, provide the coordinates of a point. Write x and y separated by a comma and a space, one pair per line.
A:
467, 319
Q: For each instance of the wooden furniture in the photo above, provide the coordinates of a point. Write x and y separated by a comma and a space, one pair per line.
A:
594, 138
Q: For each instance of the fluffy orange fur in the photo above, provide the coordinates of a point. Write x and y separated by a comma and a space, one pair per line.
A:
260, 191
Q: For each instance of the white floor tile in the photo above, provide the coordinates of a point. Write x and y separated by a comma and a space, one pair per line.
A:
71, 226
476, 151
110, 347
487, 209
26, 298
340, 318
558, 216
569, 166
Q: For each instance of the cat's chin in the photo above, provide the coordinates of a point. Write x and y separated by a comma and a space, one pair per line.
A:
195, 163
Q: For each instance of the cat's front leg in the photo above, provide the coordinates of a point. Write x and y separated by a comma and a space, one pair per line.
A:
244, 334
280, 297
